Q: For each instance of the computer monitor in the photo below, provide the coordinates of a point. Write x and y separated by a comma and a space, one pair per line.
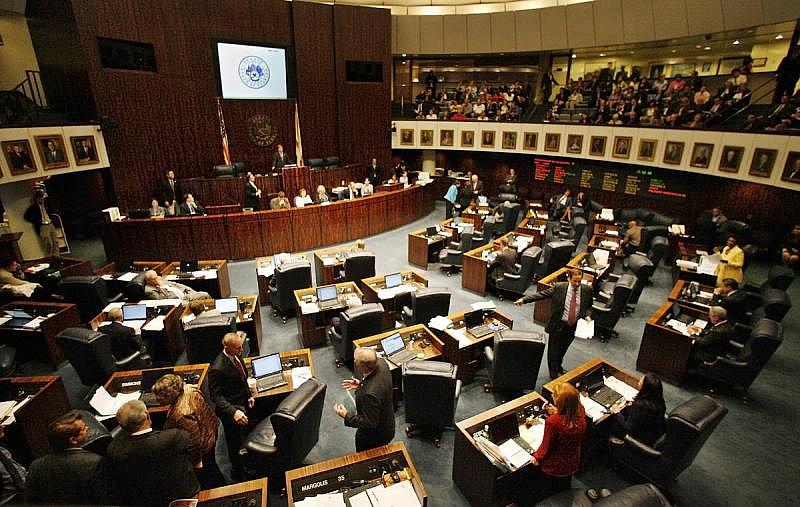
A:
431, 231
227, 305
150, 377
393, 280
188, 265
326, 293
592, 381
267, 365
19, 314
392, 344
473, 318
134, 312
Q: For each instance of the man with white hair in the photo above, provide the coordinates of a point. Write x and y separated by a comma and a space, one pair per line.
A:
374, 417
713, 340
157, 288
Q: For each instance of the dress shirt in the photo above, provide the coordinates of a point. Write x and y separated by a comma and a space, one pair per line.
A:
568, 300
45, 216
299, 202
141, 432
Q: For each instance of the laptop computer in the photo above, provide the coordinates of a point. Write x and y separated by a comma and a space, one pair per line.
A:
473, 321
326, 297
189, 265
507, 428
268, 372
227, 305
393, 280
431, 231
593, 383
149, 378
395, 349
18, 314
134, 312
678, 315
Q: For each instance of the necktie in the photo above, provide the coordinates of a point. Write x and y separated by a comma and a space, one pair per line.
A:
239, 367
191, 209
573, 310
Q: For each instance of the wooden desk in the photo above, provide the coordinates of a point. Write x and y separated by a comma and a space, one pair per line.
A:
663, 350
534, 219
327, 274
603, 228
217, 283
300, 357
412, 334
423, 250
312, 326
464, 350
474, 475
28, 435
699, 303
40, 342
574, 375
339, 473
598, 274
541, 309
371, 287
688, 252
596, 240
246, 494
168, 341
265, 268
248, 319
537, 230
476, 267
50, 276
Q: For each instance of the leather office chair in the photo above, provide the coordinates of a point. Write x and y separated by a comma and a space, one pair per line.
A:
510, 216
779, 277
556, 255
658, 248
643, 268
492, 228
99, 436
639, 495
741, 230
426, 304
659, 219
88, 293
282, 441
204, 340
353, 324
316, 163
775, 304
479, 239
688, 427
649, 232
286, 279
331, 162
514, 359
358, 266
223, 171
451, 258
8, 360
134, 290
518, 281
89, 352
430, 394
606, 313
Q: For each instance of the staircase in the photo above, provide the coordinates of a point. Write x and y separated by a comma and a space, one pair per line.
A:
25, 103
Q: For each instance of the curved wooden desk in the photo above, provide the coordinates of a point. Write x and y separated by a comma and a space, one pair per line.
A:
250, 235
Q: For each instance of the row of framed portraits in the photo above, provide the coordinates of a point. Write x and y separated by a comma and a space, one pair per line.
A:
701, 155
52, 152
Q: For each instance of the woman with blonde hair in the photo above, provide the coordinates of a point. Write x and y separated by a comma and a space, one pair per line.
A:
189, 411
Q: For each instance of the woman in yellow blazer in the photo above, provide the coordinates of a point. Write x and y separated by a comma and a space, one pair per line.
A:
731, 262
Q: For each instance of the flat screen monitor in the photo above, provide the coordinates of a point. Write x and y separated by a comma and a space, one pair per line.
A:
188, 265
431, 231
19, 314
326, 293
252, 71
134, 312
473, 318
393, 280
227, 305
267, 365
392, 344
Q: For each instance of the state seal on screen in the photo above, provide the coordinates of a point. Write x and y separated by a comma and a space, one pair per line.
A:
254, 72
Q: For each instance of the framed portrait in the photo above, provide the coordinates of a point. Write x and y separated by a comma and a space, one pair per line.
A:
701, 155
673, 152
487, 139
647, 149
529, 143
407, 137
552, 142
597, 146
84, 150
574, 143
18, 156
763, 160
426, 137
622, 147
445, 138
467, 138
731, 159
706, 67
509, 140
791, 171
51, 148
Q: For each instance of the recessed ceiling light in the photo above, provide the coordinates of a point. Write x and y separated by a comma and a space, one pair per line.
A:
602, 54
674, 50
736, 42
698, 46
707, 48
633, 52
403, 55
779, 36
574, 55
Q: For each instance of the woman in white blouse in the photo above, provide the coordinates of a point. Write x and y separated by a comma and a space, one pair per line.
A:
302, 199
367, 189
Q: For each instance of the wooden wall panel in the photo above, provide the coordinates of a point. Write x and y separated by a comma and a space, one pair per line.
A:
580, 25
245, 239
704, 16
671, 19
334, 226
527, 28
431, 35
276, 227
504, 38
742, 13
479, 33
554, 28
306, 228
377, 216
212, 226
455, 34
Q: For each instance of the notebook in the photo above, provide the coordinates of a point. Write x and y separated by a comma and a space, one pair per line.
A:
227, 305
326, 297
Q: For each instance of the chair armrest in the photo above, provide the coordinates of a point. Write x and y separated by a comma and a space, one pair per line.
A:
511, 276
455, 245
603, 296
489, 353
641, 447
126, 361
736, 345
116, 297
407, 312
596, 308
458, 389
724, 361
613, 278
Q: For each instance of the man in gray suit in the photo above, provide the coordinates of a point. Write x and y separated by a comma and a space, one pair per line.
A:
156, 287
570, 301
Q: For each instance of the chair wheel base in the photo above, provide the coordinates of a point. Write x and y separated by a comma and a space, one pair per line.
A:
487, 388
284, 320
338, 362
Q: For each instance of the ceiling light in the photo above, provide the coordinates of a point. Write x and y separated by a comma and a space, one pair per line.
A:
736, 42
707, 48
633, 52
698, 46
403, 55
574, 55
602, 54
674, 50
779, 36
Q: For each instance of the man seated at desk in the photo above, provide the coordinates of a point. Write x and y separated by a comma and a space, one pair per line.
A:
712, 341
12, 278
190, 207
732, 299
157, 288
503, 263
201, 315
124, 341
367, 188
351, 192
632, 238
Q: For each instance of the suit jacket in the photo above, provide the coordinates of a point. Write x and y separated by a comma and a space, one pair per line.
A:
278, 160
735, 304
153, 468
8, 278
189, 293
477, 188
228, 389
167, 192
124, 341
199, 209
374, 415
374, 174
558, 293
73, 476
504, 263
713, 342
251, 197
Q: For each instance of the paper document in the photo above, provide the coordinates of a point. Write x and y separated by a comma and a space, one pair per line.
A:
10, 419
135, 324
325, 499
483, 305
400, 494
266, 271
678, 326
208, 274
460, 334
38, 267
700, 323
440, 323
4, 319
152, 303
514, 455
708, 264
584, 329
109, 306
613, 245
606, 214
6, 408
300, 375
188, 318
686, 264
627, 392
611, 232
35, 323
105, 404
593, 409
328, 261
156, 324
307, 308
171, 277
127, 277
533, 435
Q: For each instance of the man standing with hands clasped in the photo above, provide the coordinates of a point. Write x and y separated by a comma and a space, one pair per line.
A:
570, 301
374, 417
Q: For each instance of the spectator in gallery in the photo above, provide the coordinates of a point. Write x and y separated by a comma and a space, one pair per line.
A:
694, 82
280, 202
367, 188
615, 120
790, 249
702, 96
697, 122
155, 210
302, 198
322, 195
752, 122
191, 207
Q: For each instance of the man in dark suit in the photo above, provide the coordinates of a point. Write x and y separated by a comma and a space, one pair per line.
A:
374, 417
171, 192
191, 207
732, 299
570, 301
503, 263
231, 396
53, 154
124, 341
151, 467
374, 171
279, 159
69, 474
476, 186
713, 341
20, 158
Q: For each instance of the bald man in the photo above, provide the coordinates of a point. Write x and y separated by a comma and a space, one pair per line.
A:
124, 341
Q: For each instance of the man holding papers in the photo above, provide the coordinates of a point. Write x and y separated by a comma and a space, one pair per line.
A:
711, 342
571, 301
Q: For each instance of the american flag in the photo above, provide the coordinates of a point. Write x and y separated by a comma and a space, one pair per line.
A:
298, 142
226, 149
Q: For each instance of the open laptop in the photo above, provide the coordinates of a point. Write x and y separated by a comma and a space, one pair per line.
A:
227, 305
431, 231
326, 297
593, 384
134, 312
678, 314
393, 280
395, 349
189, 265
268, 372
473, 321
149, 378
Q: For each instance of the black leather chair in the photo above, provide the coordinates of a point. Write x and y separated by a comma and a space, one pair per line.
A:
89, 352
779, 277
492, 228
688, 427
452, 258
282, 441
643, 268
740, 368
352, 324
358, 266
426, 304
479, 239
88, 293
518, 281
514, 359
658, 248
510, 216
316, 163
134, 290
332, 162
639, 495
286, 279
556, 255
204, 340
8, 360
607, 311
649, 232
223, 171
430, 394
99, 437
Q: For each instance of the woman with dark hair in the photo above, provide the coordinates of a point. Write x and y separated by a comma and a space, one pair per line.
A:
644, 418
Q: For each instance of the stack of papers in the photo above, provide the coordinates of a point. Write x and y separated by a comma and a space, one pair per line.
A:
708, 264
38, 267
267, 270
533, 435
127, 277
300, 375
105, 404
460, 334
686, 264
606, 214
156, 324
514, 455
440, 323
208, 274
306, 308
483, 305
593, 409
324, 500
613, 245
678, 326
627, 392
584, 329
677, 229
35, 323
